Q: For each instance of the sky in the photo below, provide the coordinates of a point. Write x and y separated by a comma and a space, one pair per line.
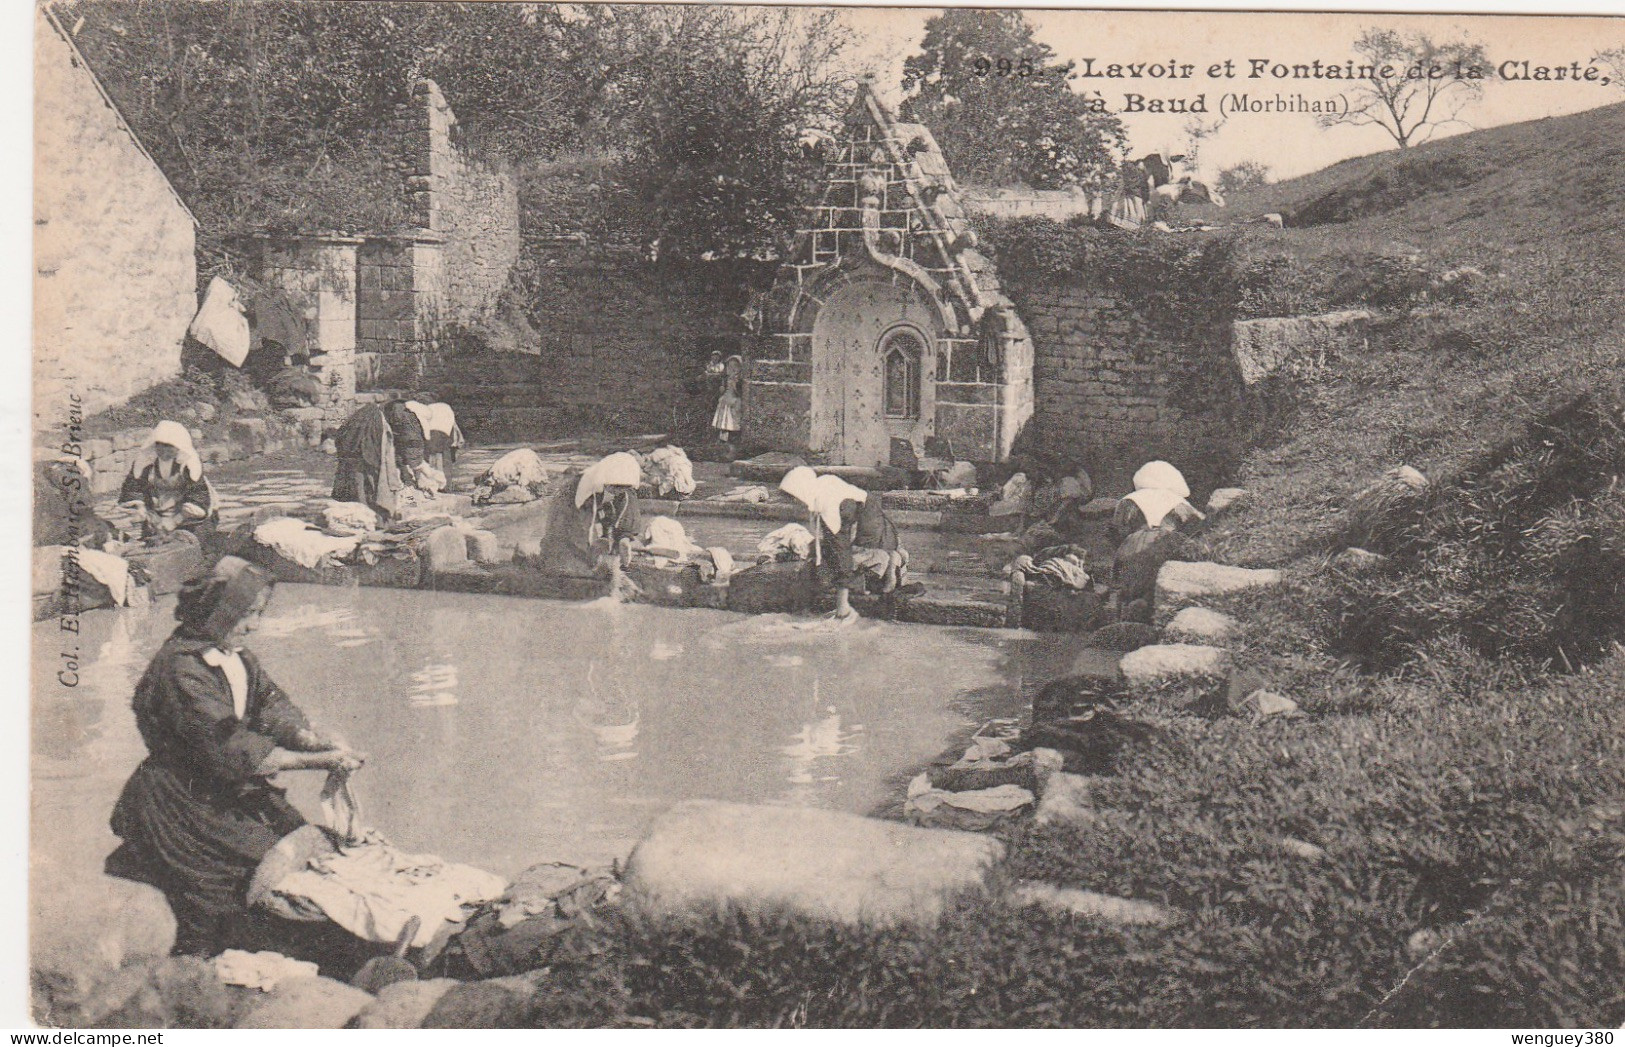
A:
1290, 143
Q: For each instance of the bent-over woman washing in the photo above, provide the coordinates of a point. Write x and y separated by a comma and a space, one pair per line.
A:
856, 542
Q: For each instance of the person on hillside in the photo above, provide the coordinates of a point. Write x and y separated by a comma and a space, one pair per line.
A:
167, 484
1159, 499
856, 542
201, 811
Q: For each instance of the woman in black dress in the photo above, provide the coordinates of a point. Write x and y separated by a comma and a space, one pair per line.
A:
200, 812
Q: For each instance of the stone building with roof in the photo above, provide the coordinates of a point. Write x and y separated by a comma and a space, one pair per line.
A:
115, 282
886, 324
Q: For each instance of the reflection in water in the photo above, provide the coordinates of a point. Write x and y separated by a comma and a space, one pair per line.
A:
285, 618
567, 739
613, 720
433, 685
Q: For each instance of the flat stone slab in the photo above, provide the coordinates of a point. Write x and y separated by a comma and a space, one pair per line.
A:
87, 928
1200, 625
1180, 581
307, 1003
403, 1005
703, 856
1165, 663
1104, 907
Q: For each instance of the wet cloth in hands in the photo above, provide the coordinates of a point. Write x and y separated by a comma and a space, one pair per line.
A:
340, 809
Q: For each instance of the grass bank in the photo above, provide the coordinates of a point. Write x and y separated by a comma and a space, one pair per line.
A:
1464, 800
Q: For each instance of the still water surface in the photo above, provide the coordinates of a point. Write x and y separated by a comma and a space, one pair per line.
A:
503, 731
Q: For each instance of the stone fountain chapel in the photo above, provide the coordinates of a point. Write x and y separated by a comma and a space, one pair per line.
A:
886, 327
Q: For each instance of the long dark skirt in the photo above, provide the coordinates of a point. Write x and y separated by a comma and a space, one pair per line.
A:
439, 450
199, 843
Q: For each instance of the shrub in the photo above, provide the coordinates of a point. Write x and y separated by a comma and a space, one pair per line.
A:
1523, 556
1380, 281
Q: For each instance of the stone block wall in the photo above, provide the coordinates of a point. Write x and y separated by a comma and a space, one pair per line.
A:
448, 271
1056, 204
623, 344
319, 275
115, 283
889, 211
401, 284
1114, 386
473, 207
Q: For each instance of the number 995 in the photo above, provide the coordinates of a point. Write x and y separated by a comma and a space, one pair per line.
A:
985, 66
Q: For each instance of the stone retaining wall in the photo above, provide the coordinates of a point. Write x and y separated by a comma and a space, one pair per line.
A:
1111, 383
623, 343
1265, 346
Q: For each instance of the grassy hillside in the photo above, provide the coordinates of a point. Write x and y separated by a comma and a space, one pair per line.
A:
1464, 793
1496, 260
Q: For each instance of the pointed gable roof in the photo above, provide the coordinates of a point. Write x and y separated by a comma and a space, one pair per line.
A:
940, 238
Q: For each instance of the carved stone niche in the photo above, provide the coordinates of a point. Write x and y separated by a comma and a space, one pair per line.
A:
872, 187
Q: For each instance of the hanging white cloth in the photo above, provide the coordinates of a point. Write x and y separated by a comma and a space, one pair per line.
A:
221, 325
112, 571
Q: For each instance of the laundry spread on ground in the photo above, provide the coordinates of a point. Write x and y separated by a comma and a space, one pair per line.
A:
303, 544
792, 541
663, 536
667, 470
373, 889
349, 518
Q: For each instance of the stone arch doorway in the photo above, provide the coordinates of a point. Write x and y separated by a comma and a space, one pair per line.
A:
874, 367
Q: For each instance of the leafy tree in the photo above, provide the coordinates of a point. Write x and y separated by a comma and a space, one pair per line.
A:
275, 114
1428, 86
1001, 108
709, 103
1249, 174
280, 114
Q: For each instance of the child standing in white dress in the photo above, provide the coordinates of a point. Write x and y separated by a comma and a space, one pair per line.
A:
730, 406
